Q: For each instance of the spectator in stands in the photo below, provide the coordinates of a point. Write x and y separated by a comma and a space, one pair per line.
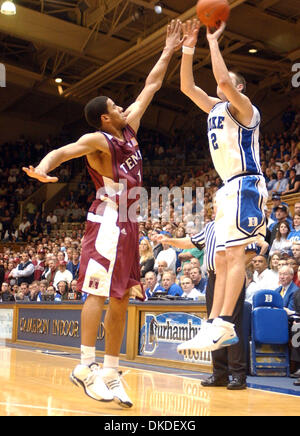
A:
168, 254
262, 277
9, 267
152, 285
281, 215
63, 289
287, 287
51, 221
24, 228
24, 291
274, 264
146, 256
296, 251
52, 294
161, 267
20, 296
272, 179
35, 230
31, 209
189, 291
186, 270
169, 285
6, 294
293, 264
281, 242
294, 235
24, 271
282, 183
34, 289
199, 282
73, 265
6, 219
73, 293
293, 183
62, 274
39, 264
42, 291
50, 271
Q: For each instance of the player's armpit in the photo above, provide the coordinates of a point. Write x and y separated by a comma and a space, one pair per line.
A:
240, 105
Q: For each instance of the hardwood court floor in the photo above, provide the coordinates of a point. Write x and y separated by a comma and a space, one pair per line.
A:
34, 384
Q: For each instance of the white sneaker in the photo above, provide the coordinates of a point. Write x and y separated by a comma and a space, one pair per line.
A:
112, 380
214, 336
90, 378
192, 344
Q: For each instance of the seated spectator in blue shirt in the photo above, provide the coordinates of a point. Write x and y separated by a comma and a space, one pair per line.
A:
282, 184
152, 285
74, 264
169, 285
199, 282
287, 287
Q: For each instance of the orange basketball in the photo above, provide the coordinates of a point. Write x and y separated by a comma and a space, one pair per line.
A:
211, 12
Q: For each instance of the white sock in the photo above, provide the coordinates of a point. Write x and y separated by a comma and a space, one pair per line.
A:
110, 363
88, 355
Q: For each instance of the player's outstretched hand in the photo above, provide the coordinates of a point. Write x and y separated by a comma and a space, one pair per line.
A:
173, 39
217, 33
36, 173
190, 31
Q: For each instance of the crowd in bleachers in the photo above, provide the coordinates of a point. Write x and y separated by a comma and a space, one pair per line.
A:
40, 253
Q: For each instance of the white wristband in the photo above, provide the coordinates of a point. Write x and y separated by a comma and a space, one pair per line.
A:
188, 50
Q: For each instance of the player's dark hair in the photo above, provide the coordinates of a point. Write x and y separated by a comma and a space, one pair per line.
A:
240, 80
94, 109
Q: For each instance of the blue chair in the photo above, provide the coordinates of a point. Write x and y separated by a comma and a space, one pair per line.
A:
269, 325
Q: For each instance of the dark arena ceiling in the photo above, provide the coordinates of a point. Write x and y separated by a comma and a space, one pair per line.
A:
109, 46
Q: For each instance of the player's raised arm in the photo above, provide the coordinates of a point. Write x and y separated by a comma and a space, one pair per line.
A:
187, 83
155, 78
239, 102
85, 145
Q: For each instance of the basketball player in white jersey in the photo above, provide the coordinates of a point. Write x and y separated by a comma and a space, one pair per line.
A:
233, 132
106, 268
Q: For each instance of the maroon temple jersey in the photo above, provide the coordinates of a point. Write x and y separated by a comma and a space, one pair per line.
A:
110, 250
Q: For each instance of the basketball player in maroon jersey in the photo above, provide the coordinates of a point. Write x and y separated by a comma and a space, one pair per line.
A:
109, 265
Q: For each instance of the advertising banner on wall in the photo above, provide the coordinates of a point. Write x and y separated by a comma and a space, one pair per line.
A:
6, 323
160, 334
58, 327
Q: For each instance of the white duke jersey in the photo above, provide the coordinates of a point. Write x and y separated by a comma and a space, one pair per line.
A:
234, 148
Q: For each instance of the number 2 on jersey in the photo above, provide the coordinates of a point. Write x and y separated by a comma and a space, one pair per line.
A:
213, 138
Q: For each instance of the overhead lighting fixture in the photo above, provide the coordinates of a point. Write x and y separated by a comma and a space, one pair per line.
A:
158, 8
58, 80
8, 8
253, 50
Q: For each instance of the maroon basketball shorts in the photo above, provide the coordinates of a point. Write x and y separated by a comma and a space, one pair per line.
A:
109, 263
